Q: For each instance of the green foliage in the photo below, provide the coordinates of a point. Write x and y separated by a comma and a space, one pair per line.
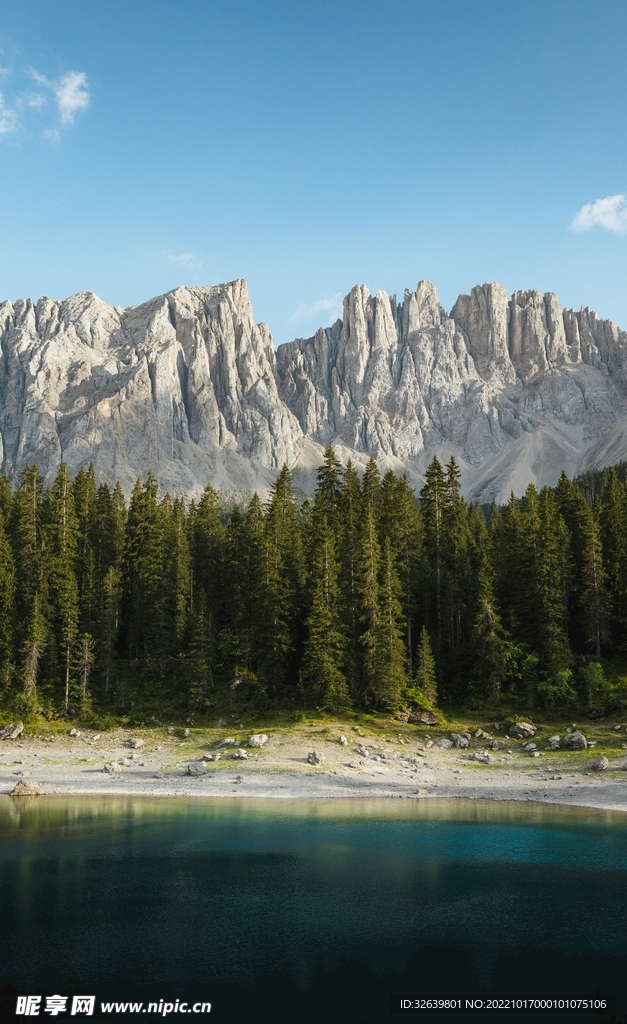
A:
362, 598
425, 677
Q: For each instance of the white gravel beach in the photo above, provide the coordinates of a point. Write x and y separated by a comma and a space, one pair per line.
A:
149, 763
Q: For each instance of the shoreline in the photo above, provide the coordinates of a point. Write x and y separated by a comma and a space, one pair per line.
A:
156, 764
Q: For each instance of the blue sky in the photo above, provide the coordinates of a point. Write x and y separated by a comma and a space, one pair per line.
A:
310, 146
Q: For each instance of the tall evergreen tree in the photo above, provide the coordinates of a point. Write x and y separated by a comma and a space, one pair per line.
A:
613, 524
391, 656
286, 578
489, 639
63, 534
432, 503
425, 675
7, 607
593, 584
325, 646
350, 519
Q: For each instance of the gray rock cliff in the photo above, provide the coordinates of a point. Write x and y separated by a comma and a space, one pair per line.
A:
189, 387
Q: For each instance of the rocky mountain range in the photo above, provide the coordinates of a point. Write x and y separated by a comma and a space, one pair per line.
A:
189, 387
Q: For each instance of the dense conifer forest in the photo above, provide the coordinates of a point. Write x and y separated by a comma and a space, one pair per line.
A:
367, 596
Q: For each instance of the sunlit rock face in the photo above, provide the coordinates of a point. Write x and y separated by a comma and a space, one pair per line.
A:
189, 387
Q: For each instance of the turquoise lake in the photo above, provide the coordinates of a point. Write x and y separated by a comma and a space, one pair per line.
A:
309, 911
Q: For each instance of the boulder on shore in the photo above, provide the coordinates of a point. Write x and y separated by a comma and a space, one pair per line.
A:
522, 730
601, 764
315, 757
26, 788
258, 740
196, 769
575, 741
11, 732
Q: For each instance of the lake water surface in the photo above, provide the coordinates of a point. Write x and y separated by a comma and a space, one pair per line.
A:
302, 911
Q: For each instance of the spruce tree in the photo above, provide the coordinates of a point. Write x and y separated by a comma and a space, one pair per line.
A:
325, 645
489, 638
7, 608
31, 632
368, 563
62, 533
391, 656
350, 519
613, 524
432, 503
593, 587
328, 489
286, 579
425, 675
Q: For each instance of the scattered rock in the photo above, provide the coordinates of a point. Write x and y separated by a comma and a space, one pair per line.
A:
481, 735
403, 718
208, 757
258, 740
111, 768
11, 732
75, 733
157, 775
47, 739
216, 757
27, 789
600, 764
240, 755
343, 741
96, 737
196, 769
522, 730
428, 744
185, 733
530, 746
591, 744
497, 744
228, 742
617, 728
481, 756
444, 744
535, 753
459, 740
554, 743
170, 730
136, 744
575, 741
314, 757
496, 726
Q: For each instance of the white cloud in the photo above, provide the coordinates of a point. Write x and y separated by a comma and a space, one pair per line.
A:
52, 135
609, 213
33, 100
72, 94
8, 118
331, 306
184, 259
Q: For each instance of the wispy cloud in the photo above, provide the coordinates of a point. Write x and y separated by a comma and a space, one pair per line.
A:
8, 118
48, 109
329, 309
610, 213
72, 95
183, 259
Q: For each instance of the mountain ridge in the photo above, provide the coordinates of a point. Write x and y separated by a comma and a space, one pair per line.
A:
189, 386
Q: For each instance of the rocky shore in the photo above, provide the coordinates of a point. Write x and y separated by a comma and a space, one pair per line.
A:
314, 761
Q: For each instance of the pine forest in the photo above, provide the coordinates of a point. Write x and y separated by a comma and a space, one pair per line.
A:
367, 596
